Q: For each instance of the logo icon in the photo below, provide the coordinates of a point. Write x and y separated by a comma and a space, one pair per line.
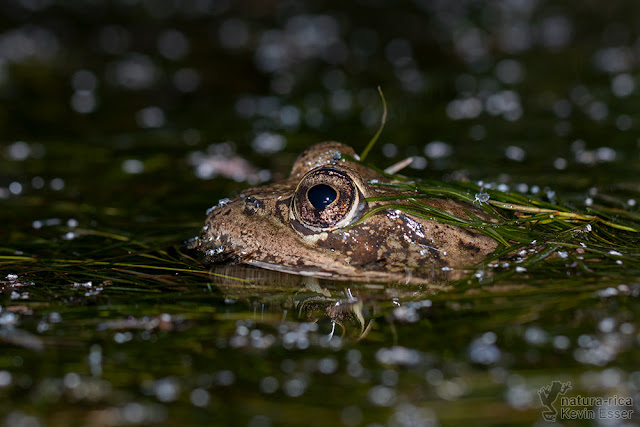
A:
548, 395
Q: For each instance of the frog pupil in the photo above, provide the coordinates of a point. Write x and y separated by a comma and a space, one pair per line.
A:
321, 196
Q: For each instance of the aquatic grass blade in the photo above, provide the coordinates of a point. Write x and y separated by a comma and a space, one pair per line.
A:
383, 120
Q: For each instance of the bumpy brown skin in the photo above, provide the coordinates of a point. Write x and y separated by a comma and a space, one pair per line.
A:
256, 228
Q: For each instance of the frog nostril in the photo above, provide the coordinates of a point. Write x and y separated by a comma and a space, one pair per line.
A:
321, 196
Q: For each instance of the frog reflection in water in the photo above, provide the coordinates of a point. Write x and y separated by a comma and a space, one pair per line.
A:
308, 224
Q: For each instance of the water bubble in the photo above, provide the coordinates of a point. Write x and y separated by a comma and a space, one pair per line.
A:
561, 342
560, 163
622, 85
406, 313
438, 149
269, 385
15, 188
173, 45
562, 128
233, 34
18, 151
535, 335
607, 292
509, 71
135, 71
150, 117
122, 337
304, 37
519, 397
294, 387
267, 106
340, 101
413, 80
314, 117
516, 37
398, 355
483, 349
71, 380
605, 154
268, 143
466, 108
607, 325
381, 395
578, 145
624, 122
598, 111
17, 418
166, 389
95, 360
556, 32
260, 421
186, 80
418, 162
83, 102
451, 389
134, 412
515, 153
225, 378
505, 103
199, 397
8, 319
562, 108
434, 376
31, 41
5, 378
70, 235
614, 59
408, 415
627, 328
471, 44
389, 377
353, 356
327, 365
389, 150
290, 116
272, 53
355, 369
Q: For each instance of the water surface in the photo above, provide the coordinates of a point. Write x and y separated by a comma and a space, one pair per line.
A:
122, 122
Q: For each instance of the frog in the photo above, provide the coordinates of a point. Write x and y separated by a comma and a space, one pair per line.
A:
330, 219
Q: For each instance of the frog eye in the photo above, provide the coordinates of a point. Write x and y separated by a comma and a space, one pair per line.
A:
321, 196
327, 198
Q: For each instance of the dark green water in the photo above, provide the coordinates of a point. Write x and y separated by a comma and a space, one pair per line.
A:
122, 122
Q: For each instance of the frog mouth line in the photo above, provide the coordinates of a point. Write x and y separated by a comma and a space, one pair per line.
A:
408, 277
291, 270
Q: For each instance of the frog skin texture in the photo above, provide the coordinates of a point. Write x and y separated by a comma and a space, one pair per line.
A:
308, 224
